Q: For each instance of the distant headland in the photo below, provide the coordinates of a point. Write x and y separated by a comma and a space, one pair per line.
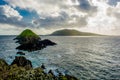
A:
72, 32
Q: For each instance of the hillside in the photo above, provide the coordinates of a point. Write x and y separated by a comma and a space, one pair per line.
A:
71, 32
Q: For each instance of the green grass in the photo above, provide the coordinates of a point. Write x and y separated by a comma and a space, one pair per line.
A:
28, 34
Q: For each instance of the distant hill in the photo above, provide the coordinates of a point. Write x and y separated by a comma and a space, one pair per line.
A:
72, 32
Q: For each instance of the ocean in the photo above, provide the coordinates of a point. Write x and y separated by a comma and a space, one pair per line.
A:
84, 57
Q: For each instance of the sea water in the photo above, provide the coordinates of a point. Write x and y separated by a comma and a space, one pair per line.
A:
84, 57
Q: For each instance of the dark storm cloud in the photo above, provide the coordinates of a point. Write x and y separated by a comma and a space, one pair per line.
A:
64, 18
13, 21
85, 6
50, 21
113, 2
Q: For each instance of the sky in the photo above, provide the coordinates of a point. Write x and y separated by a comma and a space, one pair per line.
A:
47, 16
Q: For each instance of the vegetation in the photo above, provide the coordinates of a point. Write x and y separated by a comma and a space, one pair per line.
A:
13, 72
21, 68
71, 32
29, 41
27, 36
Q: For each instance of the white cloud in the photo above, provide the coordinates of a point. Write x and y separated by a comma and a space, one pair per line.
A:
9, 12
105, 21
88, 15
42, 7
6, 29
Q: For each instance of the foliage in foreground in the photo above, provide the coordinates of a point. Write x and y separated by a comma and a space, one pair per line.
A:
13, 72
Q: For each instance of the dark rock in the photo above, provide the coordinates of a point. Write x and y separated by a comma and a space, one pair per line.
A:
47, 42
36, 46
21, 53
21, 61
50, 72
43, 66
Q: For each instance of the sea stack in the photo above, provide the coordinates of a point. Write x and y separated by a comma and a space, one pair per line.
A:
29, 41
27, 36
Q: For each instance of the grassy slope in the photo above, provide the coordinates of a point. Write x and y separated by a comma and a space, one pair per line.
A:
27, 34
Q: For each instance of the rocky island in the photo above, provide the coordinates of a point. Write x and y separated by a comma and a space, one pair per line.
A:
29, 41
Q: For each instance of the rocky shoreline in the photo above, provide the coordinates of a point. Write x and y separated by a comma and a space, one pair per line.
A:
21, 69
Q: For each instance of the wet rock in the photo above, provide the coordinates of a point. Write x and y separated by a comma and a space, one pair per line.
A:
50, 72
21, 61
43, 66
21, 53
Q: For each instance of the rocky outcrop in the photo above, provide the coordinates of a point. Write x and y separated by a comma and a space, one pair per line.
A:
43, 66
36, 46
21, 61
29, 41
16, 72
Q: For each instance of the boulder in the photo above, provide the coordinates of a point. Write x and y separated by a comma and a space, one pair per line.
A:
43, 66
21, 61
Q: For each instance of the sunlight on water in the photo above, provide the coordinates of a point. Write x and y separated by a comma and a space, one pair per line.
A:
83, 57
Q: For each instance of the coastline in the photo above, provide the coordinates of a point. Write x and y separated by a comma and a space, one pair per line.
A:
21, 69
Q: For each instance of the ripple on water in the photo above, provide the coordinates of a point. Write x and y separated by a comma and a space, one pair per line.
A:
84, 57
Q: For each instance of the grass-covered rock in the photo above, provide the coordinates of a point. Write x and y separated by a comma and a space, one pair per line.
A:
27, 36
29, 41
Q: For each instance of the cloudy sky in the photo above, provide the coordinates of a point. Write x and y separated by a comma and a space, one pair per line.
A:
46, 16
